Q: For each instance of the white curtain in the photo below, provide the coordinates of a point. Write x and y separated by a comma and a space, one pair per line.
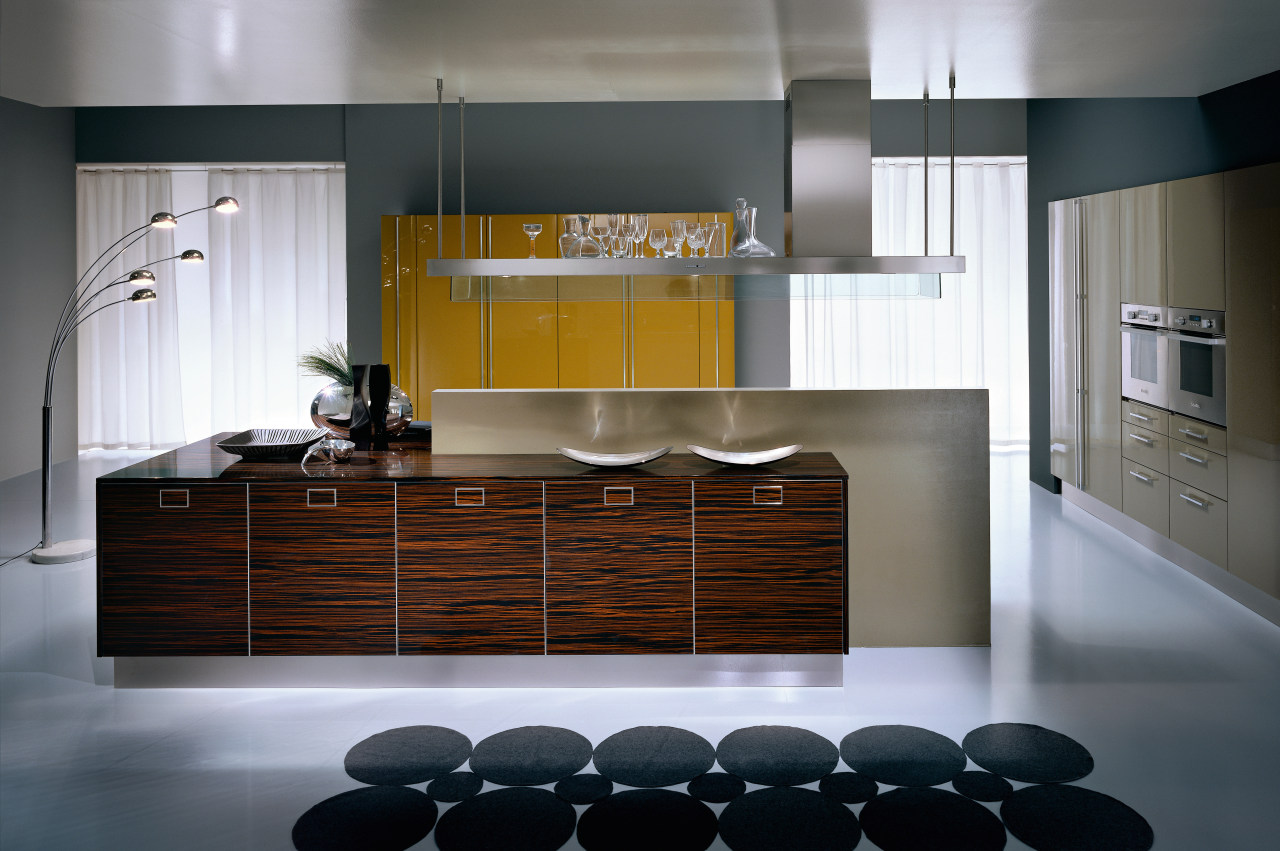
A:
130, 389
975, 335
272, 287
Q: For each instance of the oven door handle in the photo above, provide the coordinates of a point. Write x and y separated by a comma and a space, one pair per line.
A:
1192, 338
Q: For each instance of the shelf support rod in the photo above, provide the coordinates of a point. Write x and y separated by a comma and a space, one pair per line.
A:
462, 171
925, 253
439, 168
952, 83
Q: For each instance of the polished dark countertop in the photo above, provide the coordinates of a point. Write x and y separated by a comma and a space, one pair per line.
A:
203, 461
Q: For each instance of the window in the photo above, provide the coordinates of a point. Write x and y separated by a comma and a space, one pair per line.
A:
975, 335
218, 349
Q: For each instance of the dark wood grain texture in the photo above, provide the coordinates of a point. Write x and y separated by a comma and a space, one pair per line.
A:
470, 574
322, 577
619, 577
173, 580
769, 577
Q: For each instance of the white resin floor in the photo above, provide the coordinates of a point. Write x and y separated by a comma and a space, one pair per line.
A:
1172, 686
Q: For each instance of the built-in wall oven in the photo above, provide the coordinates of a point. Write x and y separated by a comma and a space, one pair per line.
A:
1198, 364
1144, 354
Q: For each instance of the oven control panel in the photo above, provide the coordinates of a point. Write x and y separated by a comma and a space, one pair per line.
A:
1146, 315
1211, 322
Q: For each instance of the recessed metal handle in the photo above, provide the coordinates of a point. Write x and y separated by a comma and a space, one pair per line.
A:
468, 496
1141, 477
175, 498
1193, 458
619, 496
1198, 503
1193, 434
766, 495
1148, 441
322, 497
1138, 416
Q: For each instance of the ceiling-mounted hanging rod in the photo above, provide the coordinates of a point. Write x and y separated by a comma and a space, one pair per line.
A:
462, 172
952, 83
926, 173
439, 167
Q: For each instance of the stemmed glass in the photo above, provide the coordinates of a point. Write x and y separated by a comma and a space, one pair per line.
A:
677, 236
641, 221
629, 234
614, 220
601, 235
697, 239
532, 231
658, 239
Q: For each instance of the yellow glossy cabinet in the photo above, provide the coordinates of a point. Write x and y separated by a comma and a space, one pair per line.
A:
521, 330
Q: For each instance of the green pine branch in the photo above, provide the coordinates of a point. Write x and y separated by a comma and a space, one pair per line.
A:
330, 360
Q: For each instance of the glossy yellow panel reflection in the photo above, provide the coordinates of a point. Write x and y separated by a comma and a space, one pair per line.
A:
573, 338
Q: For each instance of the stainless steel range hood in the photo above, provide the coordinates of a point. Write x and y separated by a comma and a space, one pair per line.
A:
827, 187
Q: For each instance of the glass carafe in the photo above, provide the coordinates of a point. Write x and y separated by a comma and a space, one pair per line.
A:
744, 243
584, 245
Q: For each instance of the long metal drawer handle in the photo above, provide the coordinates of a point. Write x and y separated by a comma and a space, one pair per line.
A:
1191, 457
1197, 435
1148, 441
1141, 477
1196, 502
1138, 416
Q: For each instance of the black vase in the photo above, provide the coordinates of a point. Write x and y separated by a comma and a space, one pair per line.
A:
370, 391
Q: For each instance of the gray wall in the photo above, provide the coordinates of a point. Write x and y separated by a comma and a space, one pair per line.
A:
38, 247
1078, 147
592, 157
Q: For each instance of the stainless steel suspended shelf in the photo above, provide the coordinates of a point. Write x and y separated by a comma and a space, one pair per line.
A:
593, 267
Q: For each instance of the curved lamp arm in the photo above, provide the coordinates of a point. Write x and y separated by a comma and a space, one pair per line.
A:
141, 295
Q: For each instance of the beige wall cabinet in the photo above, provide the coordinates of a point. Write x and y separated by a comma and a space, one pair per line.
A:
1253, 373
1146, 496
1142, 245
1195, 250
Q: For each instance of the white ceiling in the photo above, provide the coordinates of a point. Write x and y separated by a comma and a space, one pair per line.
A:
176, 52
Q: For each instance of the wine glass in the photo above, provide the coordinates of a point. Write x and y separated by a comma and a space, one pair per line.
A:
628, 233
658, 239
697, 238
678, 230
641, 221
601, 235
533, 231
614, 221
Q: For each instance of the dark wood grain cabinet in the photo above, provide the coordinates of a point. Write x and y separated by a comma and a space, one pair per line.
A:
470, 567
322, 568
770, 566
172, 569
469, 555
619, 566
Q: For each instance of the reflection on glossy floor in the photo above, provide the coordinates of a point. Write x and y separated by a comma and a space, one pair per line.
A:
1173, 687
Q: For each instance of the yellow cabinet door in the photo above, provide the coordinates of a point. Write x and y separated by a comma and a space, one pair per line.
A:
521, 333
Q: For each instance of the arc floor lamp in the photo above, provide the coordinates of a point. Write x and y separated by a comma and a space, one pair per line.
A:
80, 305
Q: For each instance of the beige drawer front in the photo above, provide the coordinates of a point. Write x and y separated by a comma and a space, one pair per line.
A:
1145, 416
1197, 433
1198, 467
1146, 497
1148, 448
1198, 521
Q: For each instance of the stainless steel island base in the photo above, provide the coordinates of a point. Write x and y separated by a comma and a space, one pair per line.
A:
622, 671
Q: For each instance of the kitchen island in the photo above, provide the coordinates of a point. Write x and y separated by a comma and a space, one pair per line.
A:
407, 567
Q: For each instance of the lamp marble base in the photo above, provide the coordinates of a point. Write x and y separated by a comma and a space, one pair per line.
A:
64, 551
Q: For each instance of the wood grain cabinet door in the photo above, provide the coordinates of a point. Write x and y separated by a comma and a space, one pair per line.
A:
769, 566
470, 567
172, 570
322, 570
619, 566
